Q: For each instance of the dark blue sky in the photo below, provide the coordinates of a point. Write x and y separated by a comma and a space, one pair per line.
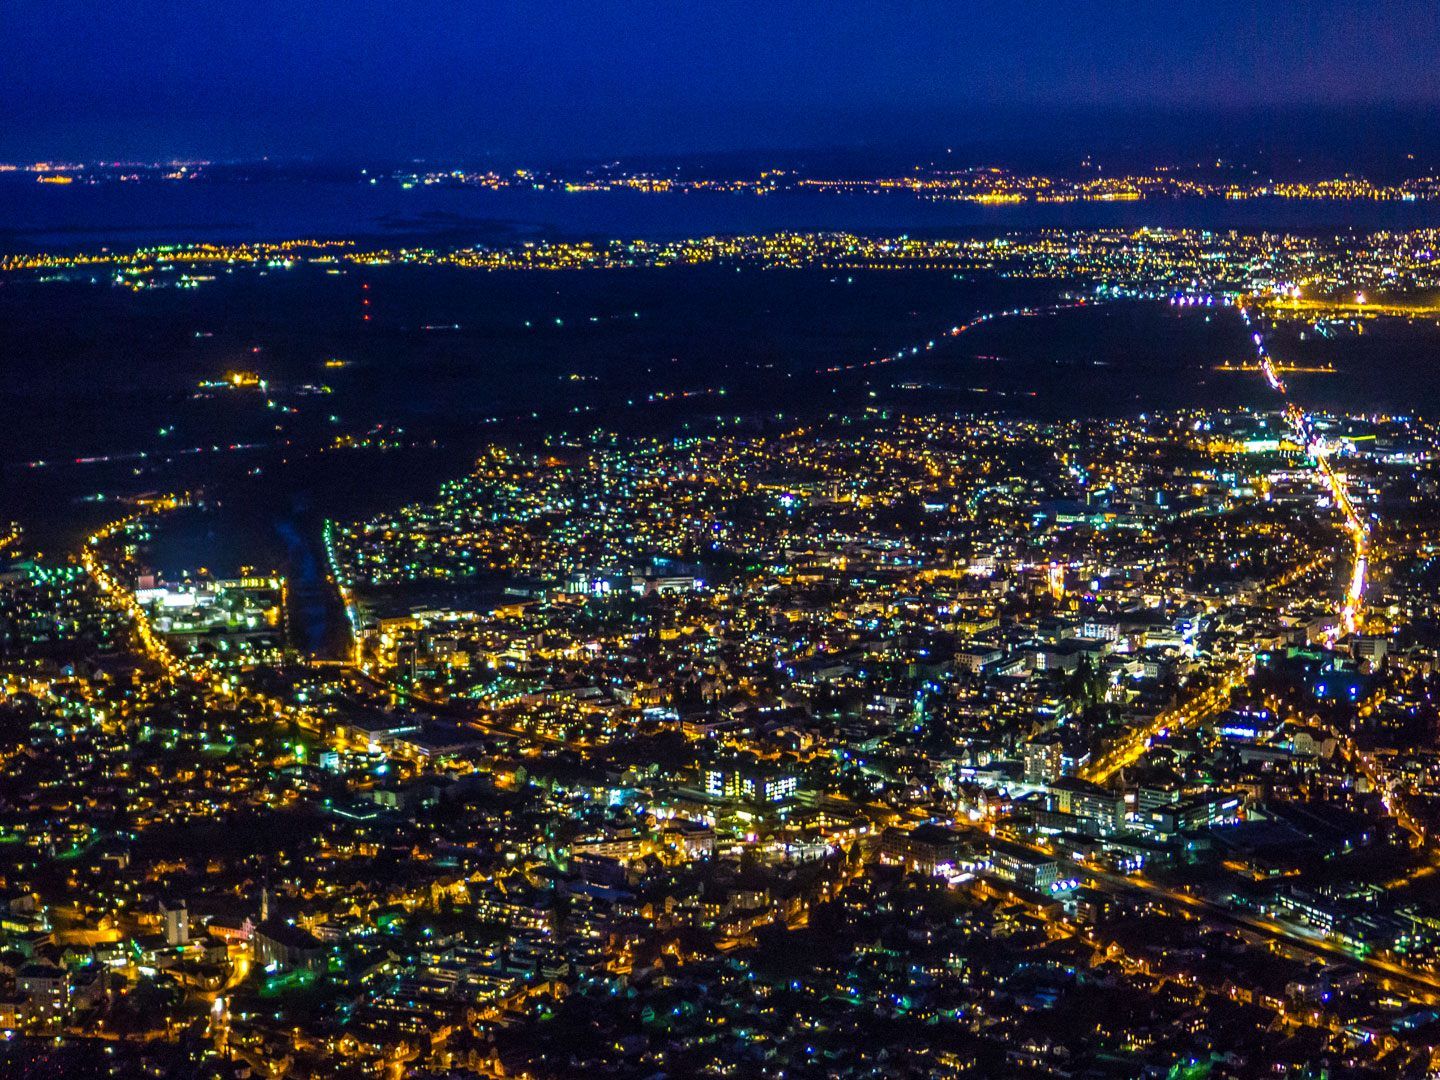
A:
463, 78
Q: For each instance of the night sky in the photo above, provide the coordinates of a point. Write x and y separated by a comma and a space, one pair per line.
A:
468, 78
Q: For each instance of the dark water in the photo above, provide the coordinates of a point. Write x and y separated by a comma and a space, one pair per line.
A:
51, 216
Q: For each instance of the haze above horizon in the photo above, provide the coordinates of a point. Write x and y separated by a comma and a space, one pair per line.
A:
158, 80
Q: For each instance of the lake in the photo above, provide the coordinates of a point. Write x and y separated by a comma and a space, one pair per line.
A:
49, 216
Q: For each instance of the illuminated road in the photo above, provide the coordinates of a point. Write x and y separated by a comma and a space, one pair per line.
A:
1351, 606
369, 683
1291, 936
157, 648
379, 690
1355, 525
1203, 704
1211, 700
1200, 705
912, 351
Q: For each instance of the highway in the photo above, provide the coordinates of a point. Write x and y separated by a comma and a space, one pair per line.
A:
1367, 764
1211, 700
1354, 524
1352, 604
954, 331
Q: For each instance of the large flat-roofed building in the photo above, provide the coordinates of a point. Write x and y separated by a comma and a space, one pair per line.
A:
1021, 866
1102, 808
925, 849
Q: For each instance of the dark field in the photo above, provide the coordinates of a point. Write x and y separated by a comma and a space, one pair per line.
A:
452, 358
